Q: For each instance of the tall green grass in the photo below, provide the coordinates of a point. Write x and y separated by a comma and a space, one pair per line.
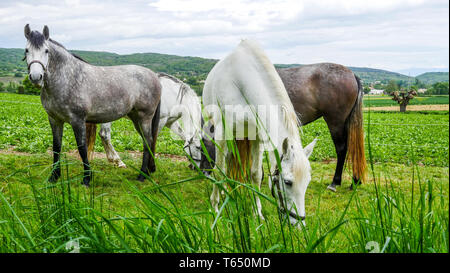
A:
37, 216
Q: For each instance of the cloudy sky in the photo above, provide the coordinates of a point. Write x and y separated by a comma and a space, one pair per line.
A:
398, 35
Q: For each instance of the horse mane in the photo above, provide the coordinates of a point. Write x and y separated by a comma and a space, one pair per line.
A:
194, 107
291, 119
61, 46
36, 39
184, 88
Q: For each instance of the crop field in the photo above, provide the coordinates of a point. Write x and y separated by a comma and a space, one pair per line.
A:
395, 137
378, 101
403, 207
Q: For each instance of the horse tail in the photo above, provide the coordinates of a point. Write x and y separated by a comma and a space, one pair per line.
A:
355, 138
91, 134
155, 125
241, 160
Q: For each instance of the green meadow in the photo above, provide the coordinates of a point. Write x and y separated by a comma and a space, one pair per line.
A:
403, 207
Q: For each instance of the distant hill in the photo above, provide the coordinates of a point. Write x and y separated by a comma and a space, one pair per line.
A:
414, 72
11, 62
368, 75
432, 77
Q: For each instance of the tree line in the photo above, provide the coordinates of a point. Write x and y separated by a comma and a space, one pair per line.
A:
438, 88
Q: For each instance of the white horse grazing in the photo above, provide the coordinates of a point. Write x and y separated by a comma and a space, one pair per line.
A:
235, 89
180, 112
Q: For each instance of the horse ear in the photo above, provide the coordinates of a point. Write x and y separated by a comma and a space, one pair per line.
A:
27, 31
46, 32
309, 148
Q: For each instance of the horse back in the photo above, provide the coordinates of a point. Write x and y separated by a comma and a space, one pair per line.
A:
317, 90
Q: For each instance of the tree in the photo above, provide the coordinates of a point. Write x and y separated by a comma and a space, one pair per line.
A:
11, 87
29, 87
366, 90
192, 81
378, 86
392, 86
20, 89
403, 98
439, 88
419, 84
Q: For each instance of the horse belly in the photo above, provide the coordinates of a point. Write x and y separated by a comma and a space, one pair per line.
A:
104, 117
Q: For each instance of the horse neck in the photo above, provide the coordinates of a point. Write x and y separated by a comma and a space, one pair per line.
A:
193, 117
59, 60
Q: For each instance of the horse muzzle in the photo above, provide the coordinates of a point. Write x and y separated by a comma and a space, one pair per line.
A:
36, 78
36, 74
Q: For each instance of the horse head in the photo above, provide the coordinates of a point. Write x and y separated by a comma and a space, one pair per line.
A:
289, 185
36, 53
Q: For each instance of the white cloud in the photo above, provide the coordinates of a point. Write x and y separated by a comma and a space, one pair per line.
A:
384, 33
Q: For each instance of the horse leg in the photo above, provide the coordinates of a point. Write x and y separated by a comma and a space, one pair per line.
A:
257, 174
144, 129
111, 154
57, 132
79, 129
221, 152
339, 135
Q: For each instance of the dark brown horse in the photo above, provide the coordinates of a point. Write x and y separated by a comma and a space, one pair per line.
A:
333, 92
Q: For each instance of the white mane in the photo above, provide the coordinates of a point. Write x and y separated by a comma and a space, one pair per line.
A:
290, 118
187, 97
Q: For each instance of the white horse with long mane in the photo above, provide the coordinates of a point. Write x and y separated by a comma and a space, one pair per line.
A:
235, 91
180, 112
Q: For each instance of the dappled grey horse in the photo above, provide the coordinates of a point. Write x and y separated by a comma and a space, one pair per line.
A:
78, 93
180, 112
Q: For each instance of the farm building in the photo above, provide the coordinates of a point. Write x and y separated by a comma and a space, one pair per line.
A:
376, 92
421, 90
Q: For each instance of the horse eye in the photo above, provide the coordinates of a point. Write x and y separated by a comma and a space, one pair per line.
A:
46, 51
288, 182
26, 51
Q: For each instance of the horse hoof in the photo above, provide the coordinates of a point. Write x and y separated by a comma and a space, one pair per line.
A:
141, 178
332, 188
121, 165
53, 179
356, 185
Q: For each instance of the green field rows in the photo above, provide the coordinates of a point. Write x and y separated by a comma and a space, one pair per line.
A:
395, 137
402, 208
378, 101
